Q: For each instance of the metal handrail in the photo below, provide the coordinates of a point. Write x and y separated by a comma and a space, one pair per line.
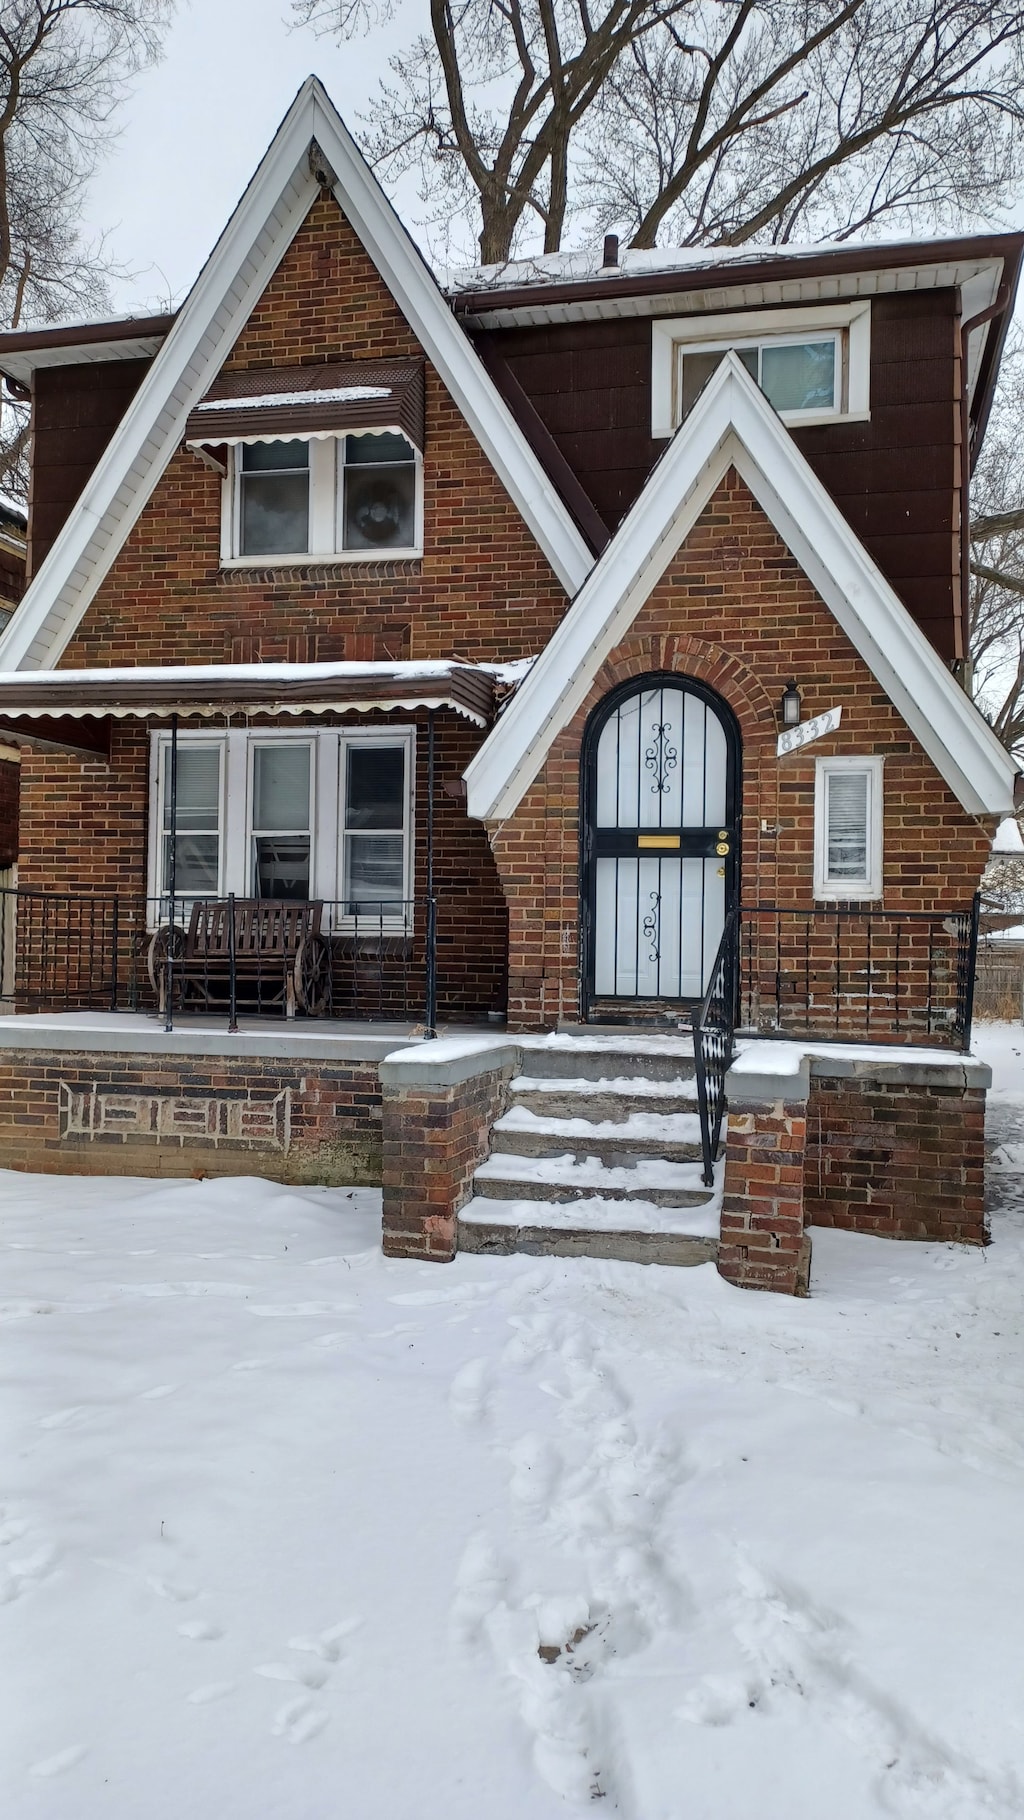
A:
713, 1029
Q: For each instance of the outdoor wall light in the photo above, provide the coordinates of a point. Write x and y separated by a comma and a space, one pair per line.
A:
789, 708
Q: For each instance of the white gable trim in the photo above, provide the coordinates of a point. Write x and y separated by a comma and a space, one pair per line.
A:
734, 425
208, 325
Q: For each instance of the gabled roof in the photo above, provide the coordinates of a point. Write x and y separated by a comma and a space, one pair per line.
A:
733, 425
312, 140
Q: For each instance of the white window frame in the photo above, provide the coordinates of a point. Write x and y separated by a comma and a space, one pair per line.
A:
327, 881
326, 470
841, 890
849, 322
159, 742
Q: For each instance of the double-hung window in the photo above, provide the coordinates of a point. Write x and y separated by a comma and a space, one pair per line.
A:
347, 497
289, 815
812, 364
848, 828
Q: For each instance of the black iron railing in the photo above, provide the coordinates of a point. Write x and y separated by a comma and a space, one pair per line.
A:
713, 1028
846, 973
229, 956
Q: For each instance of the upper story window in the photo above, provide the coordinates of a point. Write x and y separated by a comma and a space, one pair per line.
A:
341, 496
812, 364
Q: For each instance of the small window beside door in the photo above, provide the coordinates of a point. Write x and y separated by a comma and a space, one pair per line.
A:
848, 828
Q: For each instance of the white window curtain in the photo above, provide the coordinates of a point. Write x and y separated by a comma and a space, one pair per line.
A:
848, 828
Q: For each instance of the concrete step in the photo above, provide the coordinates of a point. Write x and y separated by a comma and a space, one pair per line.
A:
673, 1136
651, 1180
657, 1058
605, 1098
637, 1232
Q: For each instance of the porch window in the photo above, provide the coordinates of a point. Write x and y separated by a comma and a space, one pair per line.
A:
281, 820
198, 817
374, 801
848, 828
290, 815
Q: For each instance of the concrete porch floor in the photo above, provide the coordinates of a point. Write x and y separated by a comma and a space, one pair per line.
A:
143, 1033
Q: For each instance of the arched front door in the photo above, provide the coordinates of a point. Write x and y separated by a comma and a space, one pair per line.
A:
660, 818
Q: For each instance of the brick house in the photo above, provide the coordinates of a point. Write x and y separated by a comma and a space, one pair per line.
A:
568, 647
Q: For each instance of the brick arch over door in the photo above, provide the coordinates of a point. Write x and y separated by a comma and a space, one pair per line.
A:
537, 850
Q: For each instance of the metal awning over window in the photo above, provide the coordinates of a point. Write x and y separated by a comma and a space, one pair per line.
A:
48, 707
305, 403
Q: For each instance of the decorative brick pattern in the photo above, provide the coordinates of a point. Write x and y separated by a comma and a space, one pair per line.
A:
434, 1138
763, 1244
170, 1115
902, 1161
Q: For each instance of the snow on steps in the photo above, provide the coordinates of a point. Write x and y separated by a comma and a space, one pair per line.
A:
598, 1155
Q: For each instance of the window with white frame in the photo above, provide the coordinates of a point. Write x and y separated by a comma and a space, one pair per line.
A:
813, 364
340, 497
288, 815
848, 828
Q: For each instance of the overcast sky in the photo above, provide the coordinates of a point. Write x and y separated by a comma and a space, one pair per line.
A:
198, 124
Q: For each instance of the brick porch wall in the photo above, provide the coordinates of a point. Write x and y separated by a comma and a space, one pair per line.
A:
902, 1161
436, 1131
165, 1115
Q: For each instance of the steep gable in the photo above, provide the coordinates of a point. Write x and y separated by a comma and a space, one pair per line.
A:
312, 143
734, 426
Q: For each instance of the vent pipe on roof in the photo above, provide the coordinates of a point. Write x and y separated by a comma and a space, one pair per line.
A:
611, 252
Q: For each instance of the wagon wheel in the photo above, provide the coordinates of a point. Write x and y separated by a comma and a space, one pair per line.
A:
313, 975
167, 943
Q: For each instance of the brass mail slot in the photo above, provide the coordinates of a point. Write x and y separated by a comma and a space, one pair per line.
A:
659, 840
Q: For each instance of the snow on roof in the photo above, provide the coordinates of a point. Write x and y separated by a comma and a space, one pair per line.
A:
1008, 837
416, 671
342, 394
13, 508
587, 262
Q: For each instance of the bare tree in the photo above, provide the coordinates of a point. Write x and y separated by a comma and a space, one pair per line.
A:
710, 121
64, 66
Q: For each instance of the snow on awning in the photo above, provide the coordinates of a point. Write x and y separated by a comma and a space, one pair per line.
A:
49, 696
304, 403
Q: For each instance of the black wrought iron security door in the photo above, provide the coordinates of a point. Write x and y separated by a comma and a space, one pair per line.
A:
660, 839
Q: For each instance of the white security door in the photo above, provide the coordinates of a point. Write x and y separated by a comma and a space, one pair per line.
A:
661, 843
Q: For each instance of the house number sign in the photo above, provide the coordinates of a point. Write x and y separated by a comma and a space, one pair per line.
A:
811, 729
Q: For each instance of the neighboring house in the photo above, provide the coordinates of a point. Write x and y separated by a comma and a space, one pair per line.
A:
291, 550
13, 536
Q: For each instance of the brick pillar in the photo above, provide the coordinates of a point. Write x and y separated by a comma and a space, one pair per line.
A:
763, 1244
437, 1118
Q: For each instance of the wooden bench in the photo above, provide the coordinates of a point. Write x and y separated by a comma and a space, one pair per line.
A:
278, 948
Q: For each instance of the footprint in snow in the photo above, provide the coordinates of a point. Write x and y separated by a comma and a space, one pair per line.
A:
75, 1417
158, 1390
198, 1631
61, 1761
470, 1390
326, 1643
307, 1674
298, 1721
181, 1592
212, 1690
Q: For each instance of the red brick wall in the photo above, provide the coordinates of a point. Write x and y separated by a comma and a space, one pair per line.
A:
902, 1161
762, 1243
482, 588
434, 1138
735, 610
326, 1130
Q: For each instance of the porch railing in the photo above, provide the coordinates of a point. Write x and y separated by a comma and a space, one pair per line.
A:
66, 952
847, 973
713, 1029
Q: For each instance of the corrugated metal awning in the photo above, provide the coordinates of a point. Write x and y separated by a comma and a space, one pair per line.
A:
304, 403
37, 703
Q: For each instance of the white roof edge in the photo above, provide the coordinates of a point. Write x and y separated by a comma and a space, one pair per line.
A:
733, 424
195, 342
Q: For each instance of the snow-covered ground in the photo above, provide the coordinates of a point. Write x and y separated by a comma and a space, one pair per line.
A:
294, 1533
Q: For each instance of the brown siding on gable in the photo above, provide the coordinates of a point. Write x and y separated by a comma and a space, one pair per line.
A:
75, 411
895, 477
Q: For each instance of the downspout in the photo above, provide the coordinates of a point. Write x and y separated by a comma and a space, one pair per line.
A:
967, 328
